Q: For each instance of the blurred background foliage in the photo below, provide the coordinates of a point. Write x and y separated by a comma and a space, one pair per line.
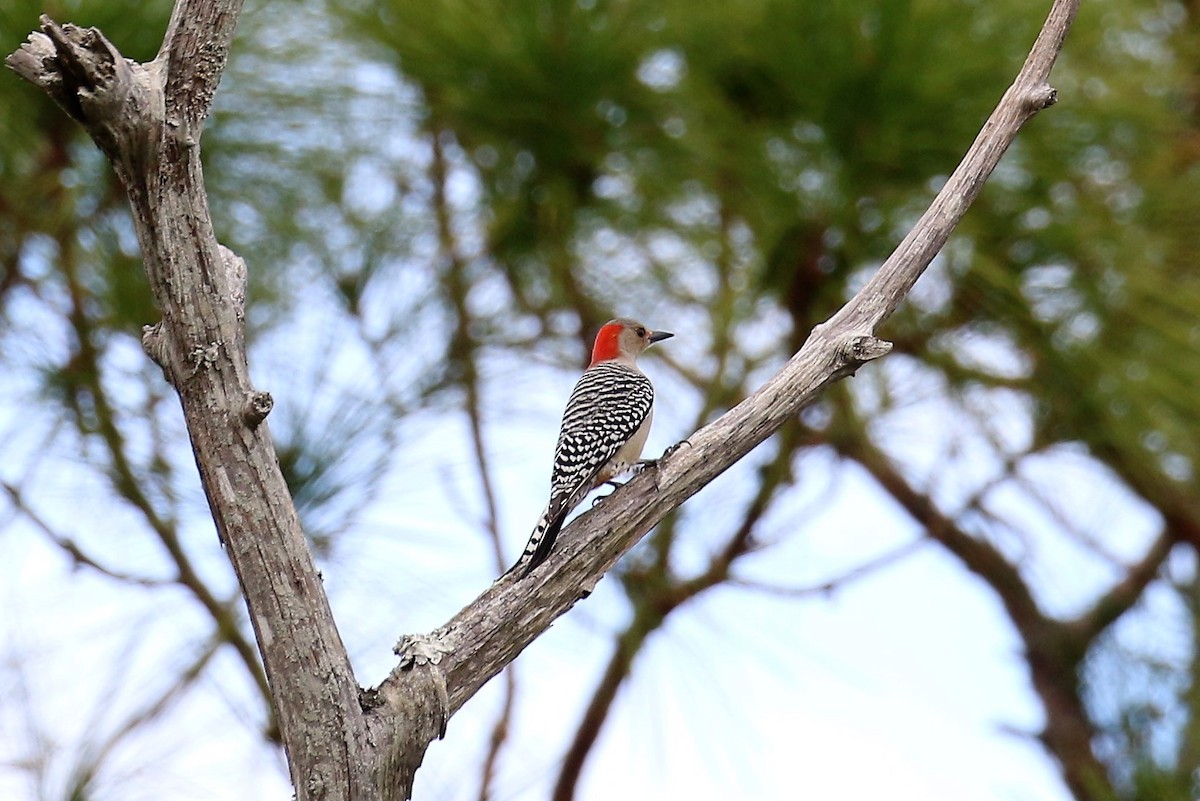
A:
434, 196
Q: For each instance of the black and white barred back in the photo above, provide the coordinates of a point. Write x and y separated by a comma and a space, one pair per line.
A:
607, 407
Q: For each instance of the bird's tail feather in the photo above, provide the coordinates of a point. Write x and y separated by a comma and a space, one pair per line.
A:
541, 542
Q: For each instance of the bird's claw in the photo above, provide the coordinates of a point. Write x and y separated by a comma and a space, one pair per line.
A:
675, 447
642, 464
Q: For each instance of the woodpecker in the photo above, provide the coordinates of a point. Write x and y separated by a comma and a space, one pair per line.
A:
604, 428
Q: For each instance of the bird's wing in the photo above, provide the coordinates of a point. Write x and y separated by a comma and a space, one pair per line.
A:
608, 405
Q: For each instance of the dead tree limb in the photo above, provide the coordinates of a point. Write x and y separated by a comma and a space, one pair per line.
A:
490, 632
148, 119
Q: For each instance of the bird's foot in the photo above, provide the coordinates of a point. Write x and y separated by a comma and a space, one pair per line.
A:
675, 447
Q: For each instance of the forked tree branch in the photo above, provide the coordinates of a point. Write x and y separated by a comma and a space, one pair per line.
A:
148, 120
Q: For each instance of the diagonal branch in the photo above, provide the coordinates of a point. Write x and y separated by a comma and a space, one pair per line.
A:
977, 555
830, 585
656, 595
1052, 650
1126, 592
463, 351
148, 120
78, 555
490, 632
629, 644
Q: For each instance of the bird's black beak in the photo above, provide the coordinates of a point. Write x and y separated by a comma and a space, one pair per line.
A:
659, 336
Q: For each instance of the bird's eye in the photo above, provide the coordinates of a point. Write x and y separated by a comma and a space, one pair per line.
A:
641, 332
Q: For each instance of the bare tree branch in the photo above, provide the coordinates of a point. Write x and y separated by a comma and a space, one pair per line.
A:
629, 643
493, 629
1126, 592
148, 120
128, 485
499, 736
69, 546
463, 350
656, 594
1053, 648
830, 585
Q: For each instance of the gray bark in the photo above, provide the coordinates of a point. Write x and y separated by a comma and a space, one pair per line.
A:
342, 742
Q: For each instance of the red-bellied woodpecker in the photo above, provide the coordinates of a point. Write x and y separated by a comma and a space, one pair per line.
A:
603, 428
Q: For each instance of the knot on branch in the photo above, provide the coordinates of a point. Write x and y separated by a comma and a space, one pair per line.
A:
1039, 97
855, 351
258, 405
